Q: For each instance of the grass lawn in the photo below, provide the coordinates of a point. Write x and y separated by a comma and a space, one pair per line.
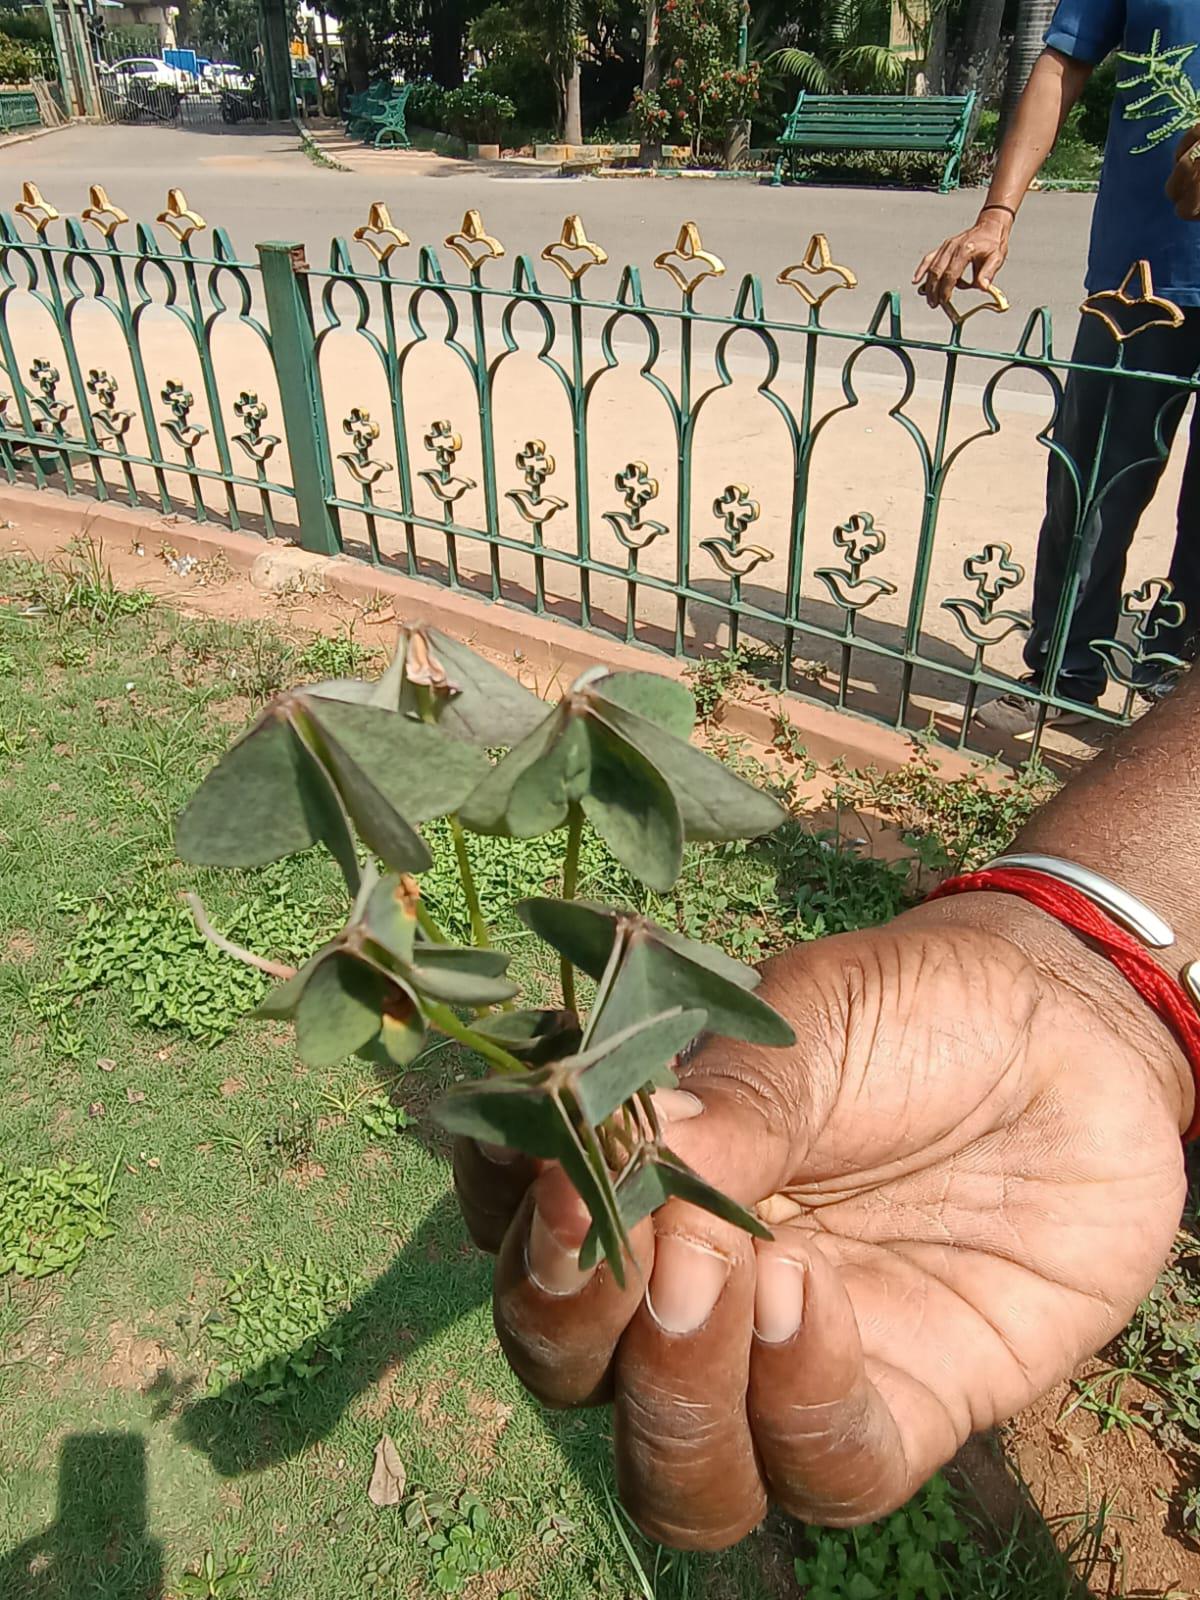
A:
251, 1271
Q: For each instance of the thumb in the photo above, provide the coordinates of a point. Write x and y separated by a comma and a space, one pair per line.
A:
729, 1123
762, 1108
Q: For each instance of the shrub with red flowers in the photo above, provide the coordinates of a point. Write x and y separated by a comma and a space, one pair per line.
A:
702, 91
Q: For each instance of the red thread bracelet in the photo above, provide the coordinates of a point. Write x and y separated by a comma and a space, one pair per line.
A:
1161, 992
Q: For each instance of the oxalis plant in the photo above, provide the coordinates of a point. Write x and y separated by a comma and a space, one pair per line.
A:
359, 766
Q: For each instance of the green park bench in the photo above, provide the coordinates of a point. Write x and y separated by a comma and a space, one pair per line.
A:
379, 112
363, 110
933, 124
391, 124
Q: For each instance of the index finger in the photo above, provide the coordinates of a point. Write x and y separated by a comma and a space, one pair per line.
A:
559, 1324
925, 262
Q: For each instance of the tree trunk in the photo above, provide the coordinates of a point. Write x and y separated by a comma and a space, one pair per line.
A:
977, 48
650, 152
447, 27
357, 48
935, 55
571, 112
1033, 18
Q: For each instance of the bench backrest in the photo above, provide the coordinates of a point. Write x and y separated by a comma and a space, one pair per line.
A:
878, 121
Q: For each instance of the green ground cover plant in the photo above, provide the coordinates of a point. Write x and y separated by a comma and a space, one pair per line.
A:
130, 1459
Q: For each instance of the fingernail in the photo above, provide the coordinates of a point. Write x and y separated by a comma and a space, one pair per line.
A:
553, 1265
685, 1285
778, 1299
499, 1154
676, 1105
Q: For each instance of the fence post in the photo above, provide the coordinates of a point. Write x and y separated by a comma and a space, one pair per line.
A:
293, 352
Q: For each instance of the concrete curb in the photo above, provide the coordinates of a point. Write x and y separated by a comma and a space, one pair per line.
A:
37, 133
42, 521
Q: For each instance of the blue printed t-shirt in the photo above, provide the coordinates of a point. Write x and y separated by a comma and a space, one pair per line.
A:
1133, 217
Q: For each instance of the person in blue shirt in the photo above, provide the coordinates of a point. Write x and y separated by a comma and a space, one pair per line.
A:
1147, 208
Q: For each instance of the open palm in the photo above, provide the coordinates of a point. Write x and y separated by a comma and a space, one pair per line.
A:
971, 1162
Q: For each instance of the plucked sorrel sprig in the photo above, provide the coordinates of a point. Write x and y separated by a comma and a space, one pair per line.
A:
1170, 96
359, 766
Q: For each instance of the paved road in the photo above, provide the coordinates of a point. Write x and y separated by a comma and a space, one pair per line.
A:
258, 185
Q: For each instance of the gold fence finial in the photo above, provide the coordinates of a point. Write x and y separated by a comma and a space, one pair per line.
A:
994, 299
101, 212
1164, 313
179, 217
380, 227
689, 248
37, 212
817, 261
473, 243
574, 241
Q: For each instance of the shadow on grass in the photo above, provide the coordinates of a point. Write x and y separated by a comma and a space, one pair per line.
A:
98, 1547
435, 1280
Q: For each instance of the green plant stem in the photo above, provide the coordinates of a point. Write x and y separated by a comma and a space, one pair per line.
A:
479, 927
442, 1017
429, 927
570, 885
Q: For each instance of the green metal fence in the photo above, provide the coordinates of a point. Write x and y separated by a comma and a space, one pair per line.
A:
361, 408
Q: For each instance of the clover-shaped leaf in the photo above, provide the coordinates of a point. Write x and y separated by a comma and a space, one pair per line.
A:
657, 967
553, 1112
616, 746
270, 795
370, 981
655, 1175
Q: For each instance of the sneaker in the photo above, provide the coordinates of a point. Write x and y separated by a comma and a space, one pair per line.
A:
1016, 715
1157, 689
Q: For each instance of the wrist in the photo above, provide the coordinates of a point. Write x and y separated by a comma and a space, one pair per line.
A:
997, 217
1066, 963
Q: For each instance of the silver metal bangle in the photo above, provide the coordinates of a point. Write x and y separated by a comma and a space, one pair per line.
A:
1123, 907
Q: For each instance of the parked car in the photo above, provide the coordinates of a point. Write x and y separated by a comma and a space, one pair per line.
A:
148, 70
226, 75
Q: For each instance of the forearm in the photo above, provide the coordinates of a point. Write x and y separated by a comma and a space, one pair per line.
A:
1131, 814
1054, 86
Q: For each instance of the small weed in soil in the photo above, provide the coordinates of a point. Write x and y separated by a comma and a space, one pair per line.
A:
232, 1582
713, 680
962, 822
338, 657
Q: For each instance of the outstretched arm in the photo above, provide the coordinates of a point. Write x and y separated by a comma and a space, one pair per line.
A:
1054, 86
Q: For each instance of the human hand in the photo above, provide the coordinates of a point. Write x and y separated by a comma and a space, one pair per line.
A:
971, 1160
1183, 186
983, 248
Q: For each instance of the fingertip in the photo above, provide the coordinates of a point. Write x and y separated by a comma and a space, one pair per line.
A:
551, 1260
677, 1105
689, 1278
780, 1289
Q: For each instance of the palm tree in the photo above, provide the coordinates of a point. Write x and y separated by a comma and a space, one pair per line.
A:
1033, 18
977, 47
839, 49
564, 26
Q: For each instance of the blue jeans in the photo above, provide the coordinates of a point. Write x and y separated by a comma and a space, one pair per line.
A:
1130, 467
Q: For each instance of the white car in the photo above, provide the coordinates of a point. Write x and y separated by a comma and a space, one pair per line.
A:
227, 75
148, 70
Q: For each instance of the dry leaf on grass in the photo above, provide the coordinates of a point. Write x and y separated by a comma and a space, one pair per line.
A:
388, 1476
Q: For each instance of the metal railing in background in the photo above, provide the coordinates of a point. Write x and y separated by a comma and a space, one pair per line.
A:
285, 398
18, 109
